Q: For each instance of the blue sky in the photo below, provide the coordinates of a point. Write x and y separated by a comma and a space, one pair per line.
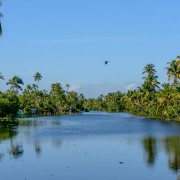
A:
67, 41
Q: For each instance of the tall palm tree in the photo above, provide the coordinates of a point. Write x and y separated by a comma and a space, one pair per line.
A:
67, 88
56, 89
151, 83
1, 15
149, 69
37, 77
178, 61
173, 71
15, 83
28, 89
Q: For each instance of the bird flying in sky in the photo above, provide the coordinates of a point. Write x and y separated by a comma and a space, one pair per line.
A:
105, 62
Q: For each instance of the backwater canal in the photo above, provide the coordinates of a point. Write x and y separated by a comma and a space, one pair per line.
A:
90, 146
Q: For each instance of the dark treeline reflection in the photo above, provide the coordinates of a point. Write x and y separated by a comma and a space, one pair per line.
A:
8, 134
173, 149
150, 149
171, 145
14, 148
152, 146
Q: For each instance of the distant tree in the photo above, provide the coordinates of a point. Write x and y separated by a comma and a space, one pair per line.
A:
173, 71
56, 89
67, 88
28, 89
9, 105
58, 97
149, 69
151, 83
15, 83
34, 87
37, 77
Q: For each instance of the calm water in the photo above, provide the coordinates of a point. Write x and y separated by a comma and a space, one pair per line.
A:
90, 146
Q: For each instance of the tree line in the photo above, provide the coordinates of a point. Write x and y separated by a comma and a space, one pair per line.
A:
31, 100
151, 99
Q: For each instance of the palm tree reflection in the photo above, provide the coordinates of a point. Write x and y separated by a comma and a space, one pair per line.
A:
8, 133
170, 144
1, 156
16, 150
37, 147
150, 149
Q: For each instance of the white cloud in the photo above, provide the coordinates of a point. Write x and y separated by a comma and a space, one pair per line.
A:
74, 88
131, 86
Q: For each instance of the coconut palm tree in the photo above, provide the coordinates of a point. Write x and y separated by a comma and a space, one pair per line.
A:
151, 83
56, 89
67, 88
34, 87
149, 69
173, 71
28, 89
15, 83
37, 77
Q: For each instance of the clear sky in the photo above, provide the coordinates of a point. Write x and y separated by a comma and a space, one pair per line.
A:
67, 41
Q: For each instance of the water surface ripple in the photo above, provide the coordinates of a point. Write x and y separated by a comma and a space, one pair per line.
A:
90, 146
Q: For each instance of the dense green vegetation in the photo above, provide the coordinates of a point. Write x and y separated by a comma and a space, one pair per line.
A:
33, 101
151, 100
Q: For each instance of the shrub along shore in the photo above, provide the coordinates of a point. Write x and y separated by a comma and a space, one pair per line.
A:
151, 99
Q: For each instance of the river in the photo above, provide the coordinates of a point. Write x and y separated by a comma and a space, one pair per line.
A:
90, 146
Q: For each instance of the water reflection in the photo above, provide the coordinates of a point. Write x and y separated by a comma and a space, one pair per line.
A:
37, 147
16, 150
46, 136
1, 156
150, 149
8, 134
171, 145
